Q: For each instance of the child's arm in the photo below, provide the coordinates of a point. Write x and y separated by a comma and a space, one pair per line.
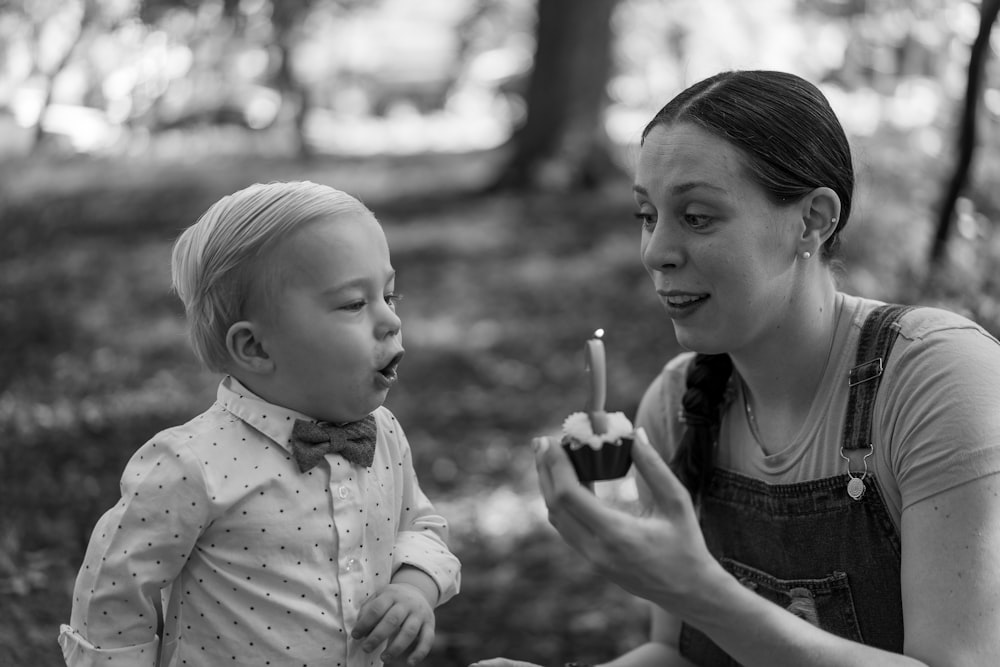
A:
420, 580
422, 536
136, 550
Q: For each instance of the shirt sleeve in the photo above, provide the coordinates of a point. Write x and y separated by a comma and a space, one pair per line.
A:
657, 413
422, 541
941, 416
136, 550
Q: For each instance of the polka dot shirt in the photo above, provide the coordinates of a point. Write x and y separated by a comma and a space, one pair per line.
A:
220, 552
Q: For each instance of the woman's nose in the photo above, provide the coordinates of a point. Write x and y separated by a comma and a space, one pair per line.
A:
661, 249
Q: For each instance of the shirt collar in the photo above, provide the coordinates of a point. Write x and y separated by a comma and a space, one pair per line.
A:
272, 420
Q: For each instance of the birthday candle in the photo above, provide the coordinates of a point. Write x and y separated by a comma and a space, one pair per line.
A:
598, 382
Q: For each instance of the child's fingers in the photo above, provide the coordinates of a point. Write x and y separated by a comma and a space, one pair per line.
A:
422, 646
405, 637
384, 628
371, 613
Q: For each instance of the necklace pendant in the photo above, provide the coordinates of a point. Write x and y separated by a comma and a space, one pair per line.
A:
856, 488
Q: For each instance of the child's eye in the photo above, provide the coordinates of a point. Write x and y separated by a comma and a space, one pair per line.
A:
354, 306
392, 298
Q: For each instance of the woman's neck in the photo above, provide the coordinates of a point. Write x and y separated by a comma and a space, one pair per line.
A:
782, 374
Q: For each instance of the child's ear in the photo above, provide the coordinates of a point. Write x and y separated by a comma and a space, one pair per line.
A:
820, 214
246, 350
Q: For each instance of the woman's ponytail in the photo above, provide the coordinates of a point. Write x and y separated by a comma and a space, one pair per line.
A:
707, 379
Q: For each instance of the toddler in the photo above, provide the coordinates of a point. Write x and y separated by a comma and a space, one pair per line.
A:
284, 525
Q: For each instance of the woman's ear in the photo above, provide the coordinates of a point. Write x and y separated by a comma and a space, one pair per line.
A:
246, 351
820, 215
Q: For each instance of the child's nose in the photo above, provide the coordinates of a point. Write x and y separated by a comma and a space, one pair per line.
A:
389, 323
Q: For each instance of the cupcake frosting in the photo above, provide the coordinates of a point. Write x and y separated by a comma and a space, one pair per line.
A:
577, 427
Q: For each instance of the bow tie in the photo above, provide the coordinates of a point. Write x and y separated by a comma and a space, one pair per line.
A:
355, 441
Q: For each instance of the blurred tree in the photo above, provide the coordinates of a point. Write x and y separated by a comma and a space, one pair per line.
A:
988, 11
37, 18
286, 16
563, 143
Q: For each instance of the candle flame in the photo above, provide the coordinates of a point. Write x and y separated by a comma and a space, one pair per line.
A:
599, 333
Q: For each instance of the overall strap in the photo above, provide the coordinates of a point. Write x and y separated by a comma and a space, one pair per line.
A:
874, 345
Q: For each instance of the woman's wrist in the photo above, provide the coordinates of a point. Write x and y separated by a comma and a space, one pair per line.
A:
701, 596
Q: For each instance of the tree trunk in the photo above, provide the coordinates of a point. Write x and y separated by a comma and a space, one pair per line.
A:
967, 133
50, 77
285, 16
563, 143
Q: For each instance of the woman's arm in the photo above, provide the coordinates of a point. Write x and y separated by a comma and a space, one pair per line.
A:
661, 650
663, 559
951, 575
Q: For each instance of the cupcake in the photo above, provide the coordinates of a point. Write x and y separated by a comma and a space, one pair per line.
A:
598, 456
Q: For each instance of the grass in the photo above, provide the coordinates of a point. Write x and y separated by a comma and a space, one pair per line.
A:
500, 293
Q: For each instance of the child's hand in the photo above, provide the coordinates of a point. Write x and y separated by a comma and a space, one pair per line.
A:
401, 614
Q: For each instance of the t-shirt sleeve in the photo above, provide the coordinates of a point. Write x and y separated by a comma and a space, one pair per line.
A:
658, 412
941, 415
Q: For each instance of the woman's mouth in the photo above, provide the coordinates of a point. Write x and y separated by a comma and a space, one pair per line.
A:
678, 304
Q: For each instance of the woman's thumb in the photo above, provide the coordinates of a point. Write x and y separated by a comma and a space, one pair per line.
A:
663, 484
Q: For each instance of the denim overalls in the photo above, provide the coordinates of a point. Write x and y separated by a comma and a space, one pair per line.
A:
811, 547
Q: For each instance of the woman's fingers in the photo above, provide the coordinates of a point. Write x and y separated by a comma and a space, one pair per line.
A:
574, 510
667, 491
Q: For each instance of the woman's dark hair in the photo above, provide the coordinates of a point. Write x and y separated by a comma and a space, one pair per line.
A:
792, 143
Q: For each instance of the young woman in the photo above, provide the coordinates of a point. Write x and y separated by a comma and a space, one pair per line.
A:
832, 496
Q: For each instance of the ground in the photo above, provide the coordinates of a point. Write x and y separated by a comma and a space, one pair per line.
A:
500, 293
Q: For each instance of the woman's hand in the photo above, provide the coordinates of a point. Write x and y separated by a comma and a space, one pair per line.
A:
661, 557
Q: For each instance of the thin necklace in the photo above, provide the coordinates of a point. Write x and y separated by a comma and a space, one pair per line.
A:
751, 420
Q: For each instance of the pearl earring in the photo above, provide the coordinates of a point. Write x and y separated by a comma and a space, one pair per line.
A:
833, 220
806, 255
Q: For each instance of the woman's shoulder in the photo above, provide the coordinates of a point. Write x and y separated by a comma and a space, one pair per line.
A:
929, 321
672, 377
922, 321
660, 403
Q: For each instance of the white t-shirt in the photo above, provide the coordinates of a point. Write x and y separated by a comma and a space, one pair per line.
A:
935, 425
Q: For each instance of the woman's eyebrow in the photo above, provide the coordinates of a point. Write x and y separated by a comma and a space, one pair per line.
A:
681, 188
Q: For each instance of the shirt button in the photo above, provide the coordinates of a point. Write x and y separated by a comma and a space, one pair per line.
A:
351, 565
343, 492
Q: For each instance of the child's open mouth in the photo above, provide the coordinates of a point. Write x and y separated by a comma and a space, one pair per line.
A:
388, 372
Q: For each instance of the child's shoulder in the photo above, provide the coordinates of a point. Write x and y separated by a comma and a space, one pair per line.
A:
192, 433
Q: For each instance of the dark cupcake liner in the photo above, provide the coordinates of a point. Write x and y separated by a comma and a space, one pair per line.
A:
609, 462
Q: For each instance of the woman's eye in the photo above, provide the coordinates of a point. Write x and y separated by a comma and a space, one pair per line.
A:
392, 298
648, 220
697, 221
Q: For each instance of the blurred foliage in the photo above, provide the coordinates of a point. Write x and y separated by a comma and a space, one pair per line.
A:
494, 330
500, 294
123, 76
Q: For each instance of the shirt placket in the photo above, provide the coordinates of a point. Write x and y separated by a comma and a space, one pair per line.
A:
348, 500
